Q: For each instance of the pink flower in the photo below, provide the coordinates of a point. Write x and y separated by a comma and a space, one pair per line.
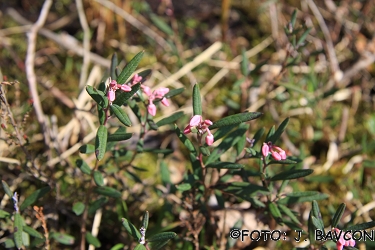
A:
111, 95
113, 86
197, 125
345, 239
136, 79
156, 94
276, 152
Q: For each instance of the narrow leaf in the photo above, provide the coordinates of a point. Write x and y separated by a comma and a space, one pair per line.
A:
87, 149
121, 136
275, 212
197, 102
162, 236
317, 223
63, 238
292, 174
97, 204
129, 68
18, 230
144, 74
289, 213
98, 96
294, 200
302, 39
4, 214
83, 166
317, 215
337, 217
188, 144
91, 239
121, 115
184, 187
362, 226
31, 231
145, 220
224, 165
101, 142
170, 119
31, 199
114, 63
174, 92
235, 119
302, 194
293, 19
108, 191
7, 189
131, 229
78, 208
161, 24
279, 131
98, 178
139, 247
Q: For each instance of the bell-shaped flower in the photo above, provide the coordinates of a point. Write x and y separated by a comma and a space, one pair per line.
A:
151, 108
197, 125
277, 153
345, 239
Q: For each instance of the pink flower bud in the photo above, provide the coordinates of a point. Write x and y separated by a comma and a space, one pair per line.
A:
113, 84
111, 95
125, 88
146, 90
276, 155
208, 122
159, 93
151, 109
195, 120
265, 149
136, 79
165, 102
187, 130
209, 138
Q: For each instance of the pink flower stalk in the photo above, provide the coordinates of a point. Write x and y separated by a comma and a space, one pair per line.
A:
276, 152
345, 239
156, 94
197, 125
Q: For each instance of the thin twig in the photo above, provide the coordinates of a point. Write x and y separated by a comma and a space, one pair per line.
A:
86, 43
30, 60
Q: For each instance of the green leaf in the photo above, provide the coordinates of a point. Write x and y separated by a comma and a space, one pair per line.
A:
197, 102
270, 134
184, 187
164, 172
161, 24
7, 189
101, 142
224, 165
293, 19
188, 144
289, 213
302, 39
337, 217
129, 68
18, 229
108, 191
87, 149
292, 174
98, 178
170, 119
63, 238
174, 92
311, 229
114, 63
131, 229
97, 204
83, 166
258, 135
152, 124
286, 161
121, 115
275, 212
362, 226
140, 247
235, 119
31, 231
144, 74
160, 240
279, 131
4, 214
205, 151
145, 220
294, 200
227, 143
244, 63
119, 136
120, 246
31, 199
91, 239
124, 96
102, 115
244, 190
317, 215
98, 96
302, 194
78, 208
162, 236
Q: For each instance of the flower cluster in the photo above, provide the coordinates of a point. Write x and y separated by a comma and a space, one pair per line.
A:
113, 86
156, 94
345, 239
276, 152
197, 125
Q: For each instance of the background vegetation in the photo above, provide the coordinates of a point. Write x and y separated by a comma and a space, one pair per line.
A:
325, 85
